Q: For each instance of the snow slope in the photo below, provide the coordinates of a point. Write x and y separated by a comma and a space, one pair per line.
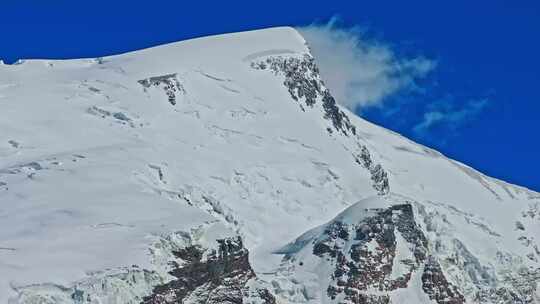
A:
102, 159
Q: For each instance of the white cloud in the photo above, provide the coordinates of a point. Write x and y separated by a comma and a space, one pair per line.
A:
444, 114
361, 72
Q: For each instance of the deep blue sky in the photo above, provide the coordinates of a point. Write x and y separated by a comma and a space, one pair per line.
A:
485, 50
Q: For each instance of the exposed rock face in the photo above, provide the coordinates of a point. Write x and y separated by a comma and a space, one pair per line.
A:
303, 81
369, 264
378, 175
518, 288
168, 83
201, 275
434, 284
209, 276
374, 252
126, 286
188, 146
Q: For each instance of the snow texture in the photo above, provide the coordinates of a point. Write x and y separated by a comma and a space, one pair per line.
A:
105, 162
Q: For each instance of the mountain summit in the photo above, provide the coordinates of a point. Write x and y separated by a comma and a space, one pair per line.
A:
222, 170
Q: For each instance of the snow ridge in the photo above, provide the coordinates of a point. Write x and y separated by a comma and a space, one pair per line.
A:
222, 169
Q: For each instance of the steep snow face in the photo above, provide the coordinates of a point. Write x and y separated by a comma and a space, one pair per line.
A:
105, 162
100, 158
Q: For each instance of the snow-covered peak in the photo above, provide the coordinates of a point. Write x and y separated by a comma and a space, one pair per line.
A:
112, 169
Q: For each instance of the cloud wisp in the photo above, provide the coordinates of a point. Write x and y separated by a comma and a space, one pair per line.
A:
361, 72
373, 79
445, 114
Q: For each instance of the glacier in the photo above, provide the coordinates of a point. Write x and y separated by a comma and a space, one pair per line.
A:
122, 175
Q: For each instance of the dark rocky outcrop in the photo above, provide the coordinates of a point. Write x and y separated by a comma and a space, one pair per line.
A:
209, 276
517, 288
303, 81
364, 256
435, 284
379, 177
169, 83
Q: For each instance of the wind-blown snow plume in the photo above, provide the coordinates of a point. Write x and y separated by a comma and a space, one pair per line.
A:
205, 166
358, 71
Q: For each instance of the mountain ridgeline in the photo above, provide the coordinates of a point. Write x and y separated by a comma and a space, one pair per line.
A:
222, 170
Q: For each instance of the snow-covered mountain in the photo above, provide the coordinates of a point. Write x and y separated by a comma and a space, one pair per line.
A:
221, 170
